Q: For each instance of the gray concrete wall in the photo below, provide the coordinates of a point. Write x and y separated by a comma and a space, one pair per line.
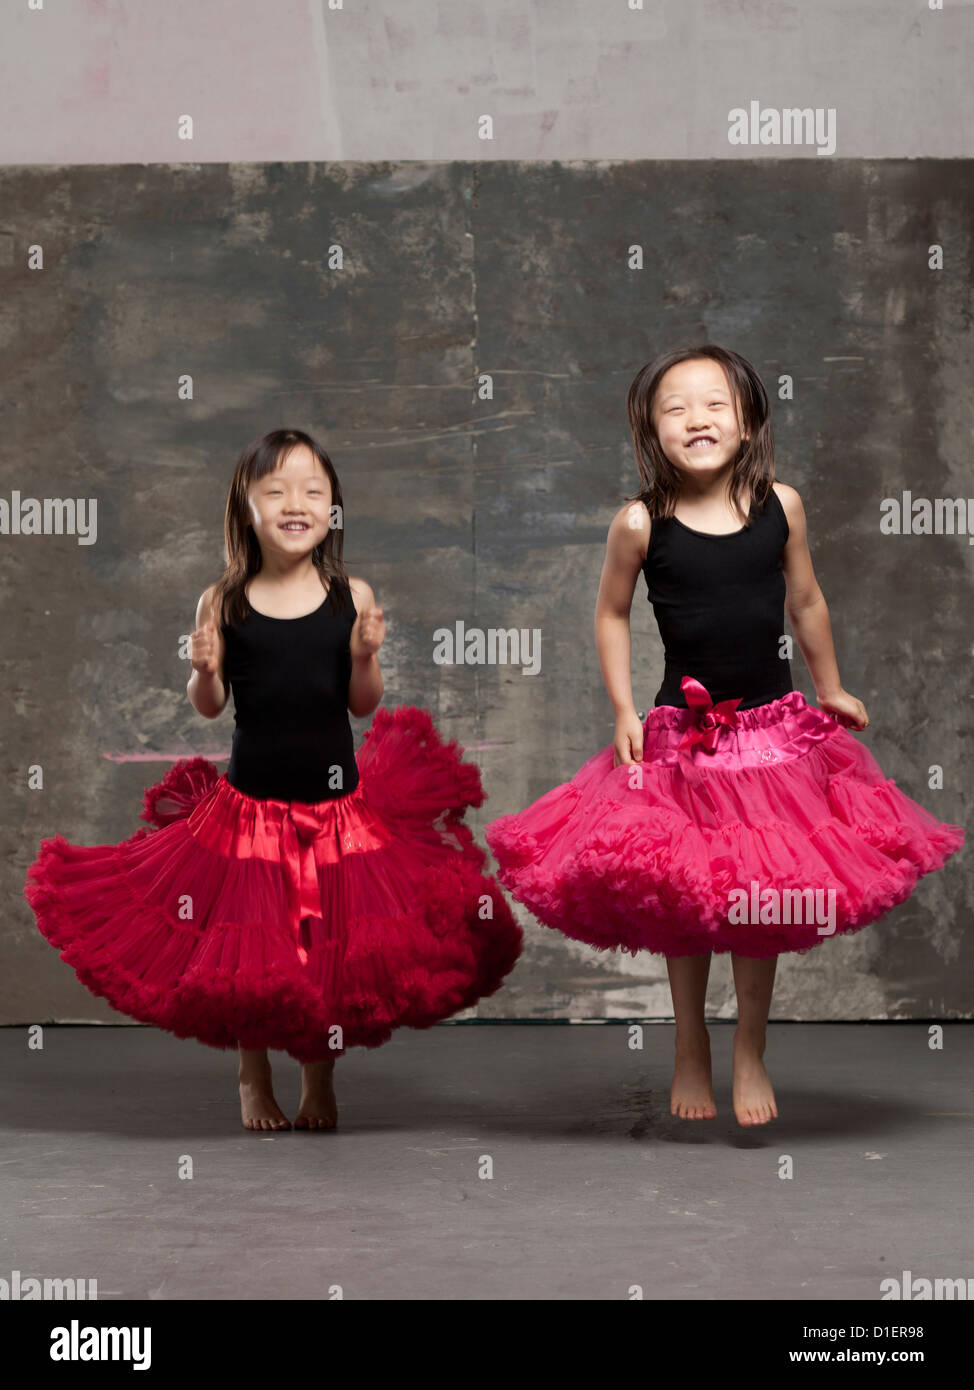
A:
107, 82
490, 511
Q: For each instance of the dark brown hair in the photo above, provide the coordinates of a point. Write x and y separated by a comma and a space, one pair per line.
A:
243, 558
754, 466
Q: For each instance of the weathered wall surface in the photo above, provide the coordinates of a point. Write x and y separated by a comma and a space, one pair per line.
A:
104, 82
490, 511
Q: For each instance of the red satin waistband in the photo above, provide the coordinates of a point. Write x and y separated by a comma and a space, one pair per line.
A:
298, 835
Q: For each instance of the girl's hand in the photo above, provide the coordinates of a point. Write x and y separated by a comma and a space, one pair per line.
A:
846, 710
368, 634
628, 742
206, 649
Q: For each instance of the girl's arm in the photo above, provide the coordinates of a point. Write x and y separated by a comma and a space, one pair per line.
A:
808, 615
365, 684
625, 552
205, 687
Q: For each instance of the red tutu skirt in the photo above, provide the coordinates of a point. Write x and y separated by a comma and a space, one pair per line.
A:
755, 831
306, 927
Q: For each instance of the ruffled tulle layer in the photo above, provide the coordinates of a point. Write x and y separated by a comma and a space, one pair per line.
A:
288, 925
787, 834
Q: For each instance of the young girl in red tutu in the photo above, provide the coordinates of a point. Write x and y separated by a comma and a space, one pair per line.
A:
736, 817
307, 900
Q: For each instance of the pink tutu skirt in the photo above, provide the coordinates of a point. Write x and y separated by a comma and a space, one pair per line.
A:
306, 927
756, 831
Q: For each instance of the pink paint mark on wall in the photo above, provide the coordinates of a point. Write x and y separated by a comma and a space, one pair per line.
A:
162, 757
484, 745
96, 81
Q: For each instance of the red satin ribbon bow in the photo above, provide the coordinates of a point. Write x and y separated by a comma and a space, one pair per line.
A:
708, 717
298, 833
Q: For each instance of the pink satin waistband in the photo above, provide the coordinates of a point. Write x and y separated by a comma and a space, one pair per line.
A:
708, 736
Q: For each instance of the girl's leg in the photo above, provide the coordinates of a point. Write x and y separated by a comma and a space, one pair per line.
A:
258, 1108
318, 1108
692, 1093
754, 1102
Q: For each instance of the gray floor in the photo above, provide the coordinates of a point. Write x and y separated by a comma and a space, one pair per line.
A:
595, 1187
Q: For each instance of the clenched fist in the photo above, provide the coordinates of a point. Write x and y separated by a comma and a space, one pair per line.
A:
368, 633
206, 649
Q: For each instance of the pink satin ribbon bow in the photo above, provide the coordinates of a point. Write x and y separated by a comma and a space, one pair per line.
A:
709, 718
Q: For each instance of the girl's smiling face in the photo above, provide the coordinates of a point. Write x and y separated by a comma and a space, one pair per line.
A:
694, 402
289, 508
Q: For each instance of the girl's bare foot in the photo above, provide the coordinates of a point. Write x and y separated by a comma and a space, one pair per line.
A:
754, 983
692, 1092
318, 1108
754, 1102
258, 1108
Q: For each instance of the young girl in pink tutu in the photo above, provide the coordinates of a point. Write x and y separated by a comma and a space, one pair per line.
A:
736, 817
308, 899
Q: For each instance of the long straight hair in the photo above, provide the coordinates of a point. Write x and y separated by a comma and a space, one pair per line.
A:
243, 558
753, 471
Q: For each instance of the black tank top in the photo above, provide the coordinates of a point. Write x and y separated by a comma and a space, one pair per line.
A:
289, 678
719, 606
